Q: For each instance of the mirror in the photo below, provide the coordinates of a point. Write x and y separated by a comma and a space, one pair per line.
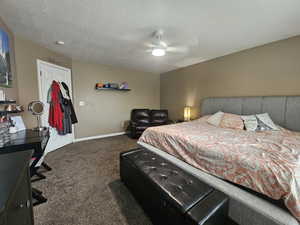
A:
36, 107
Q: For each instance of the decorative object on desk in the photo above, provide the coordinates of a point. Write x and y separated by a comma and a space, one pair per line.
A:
3, 119
18, 122
11, 108
20, 108
13, 129
187, 113
4, 133
5, 59
37, 109
2, 95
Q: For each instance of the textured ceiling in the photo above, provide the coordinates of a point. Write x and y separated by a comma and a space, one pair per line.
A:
116, 32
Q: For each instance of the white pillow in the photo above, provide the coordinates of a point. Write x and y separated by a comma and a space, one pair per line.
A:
215, 119
259, 122
266, 119
250, 122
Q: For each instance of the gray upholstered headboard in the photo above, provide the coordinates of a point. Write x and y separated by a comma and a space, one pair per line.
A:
284, 110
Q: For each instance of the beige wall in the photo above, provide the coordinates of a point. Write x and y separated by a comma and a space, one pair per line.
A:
272, 69
26, 54
105, 111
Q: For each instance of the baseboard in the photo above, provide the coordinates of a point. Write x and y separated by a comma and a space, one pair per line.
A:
98, 136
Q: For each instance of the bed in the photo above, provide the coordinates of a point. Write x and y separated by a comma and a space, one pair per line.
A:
218, 153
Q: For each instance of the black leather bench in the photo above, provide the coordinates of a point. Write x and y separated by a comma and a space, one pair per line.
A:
169, 195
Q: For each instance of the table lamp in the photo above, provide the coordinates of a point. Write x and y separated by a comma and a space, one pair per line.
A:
187, 113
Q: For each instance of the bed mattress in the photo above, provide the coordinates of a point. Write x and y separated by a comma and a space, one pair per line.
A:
266, 162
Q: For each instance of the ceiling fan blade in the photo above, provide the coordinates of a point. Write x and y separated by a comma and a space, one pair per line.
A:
150, 45
154, 45
179, 49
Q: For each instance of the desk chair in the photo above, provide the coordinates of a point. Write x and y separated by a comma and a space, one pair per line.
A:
37, 195
37, 172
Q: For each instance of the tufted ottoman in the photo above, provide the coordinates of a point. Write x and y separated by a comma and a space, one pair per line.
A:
169, 195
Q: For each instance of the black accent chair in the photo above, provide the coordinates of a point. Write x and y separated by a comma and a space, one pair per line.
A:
141, 119
159, 117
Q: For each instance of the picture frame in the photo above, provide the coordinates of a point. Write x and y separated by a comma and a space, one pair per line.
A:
7, 58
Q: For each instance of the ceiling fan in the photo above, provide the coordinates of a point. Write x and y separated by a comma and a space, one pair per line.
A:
158, 47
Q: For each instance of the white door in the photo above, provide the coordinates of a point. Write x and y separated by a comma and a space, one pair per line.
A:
48, 72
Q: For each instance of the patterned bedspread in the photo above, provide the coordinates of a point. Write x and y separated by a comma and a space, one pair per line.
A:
267, 162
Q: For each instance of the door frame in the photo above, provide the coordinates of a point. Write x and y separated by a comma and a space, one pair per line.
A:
39, 62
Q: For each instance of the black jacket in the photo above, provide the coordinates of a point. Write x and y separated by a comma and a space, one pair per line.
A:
70, 104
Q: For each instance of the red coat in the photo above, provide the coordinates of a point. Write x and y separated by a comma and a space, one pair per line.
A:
55, 112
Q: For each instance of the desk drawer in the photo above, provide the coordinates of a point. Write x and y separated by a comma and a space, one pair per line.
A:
19, 209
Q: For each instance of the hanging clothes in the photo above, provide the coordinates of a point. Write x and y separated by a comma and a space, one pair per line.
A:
63, 91
70, 104
67, 123
61, 113
55, 111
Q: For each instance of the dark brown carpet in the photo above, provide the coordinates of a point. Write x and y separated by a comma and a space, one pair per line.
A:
84, 187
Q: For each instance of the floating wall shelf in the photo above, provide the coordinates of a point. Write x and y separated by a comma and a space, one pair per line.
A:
8, 102
112, 89
9, 112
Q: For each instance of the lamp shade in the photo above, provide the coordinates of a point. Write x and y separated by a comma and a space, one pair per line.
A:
187, 113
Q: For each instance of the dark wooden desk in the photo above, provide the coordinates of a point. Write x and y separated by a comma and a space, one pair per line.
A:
25, 140
15, 189
15, 186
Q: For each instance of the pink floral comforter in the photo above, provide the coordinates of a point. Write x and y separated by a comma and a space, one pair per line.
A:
267, 162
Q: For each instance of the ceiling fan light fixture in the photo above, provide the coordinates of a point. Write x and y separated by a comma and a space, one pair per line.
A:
158, 52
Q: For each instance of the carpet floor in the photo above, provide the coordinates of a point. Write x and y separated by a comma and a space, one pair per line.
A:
84, 187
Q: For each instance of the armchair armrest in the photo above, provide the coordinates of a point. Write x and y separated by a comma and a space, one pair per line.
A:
132, 124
